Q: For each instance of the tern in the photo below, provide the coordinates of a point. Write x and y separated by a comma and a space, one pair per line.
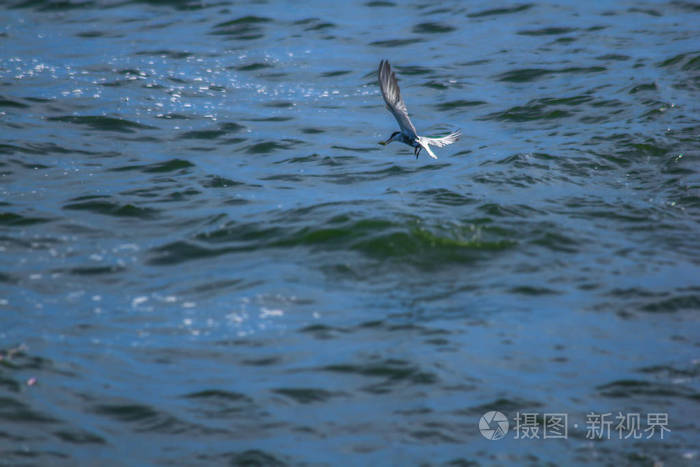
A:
396, 105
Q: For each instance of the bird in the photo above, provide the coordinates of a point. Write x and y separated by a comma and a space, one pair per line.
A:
395, 104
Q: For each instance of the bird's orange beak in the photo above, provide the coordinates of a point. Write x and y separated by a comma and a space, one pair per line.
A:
383, 143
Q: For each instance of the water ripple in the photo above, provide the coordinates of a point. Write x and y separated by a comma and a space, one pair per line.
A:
103, 123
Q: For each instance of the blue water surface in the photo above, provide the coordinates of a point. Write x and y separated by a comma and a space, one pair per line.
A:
206, 258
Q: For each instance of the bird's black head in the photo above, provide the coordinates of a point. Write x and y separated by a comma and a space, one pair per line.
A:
394, 134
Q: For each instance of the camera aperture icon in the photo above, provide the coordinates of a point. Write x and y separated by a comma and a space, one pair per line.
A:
493, 425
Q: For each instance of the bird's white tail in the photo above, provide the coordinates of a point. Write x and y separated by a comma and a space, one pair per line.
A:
439, 142
425, 145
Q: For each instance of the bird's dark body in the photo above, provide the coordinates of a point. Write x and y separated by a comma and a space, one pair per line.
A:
413, 142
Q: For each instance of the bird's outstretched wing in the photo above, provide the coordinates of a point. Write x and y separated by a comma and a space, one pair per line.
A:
392, 97
445, 140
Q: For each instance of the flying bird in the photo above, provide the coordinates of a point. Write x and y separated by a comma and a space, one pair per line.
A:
396, 105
